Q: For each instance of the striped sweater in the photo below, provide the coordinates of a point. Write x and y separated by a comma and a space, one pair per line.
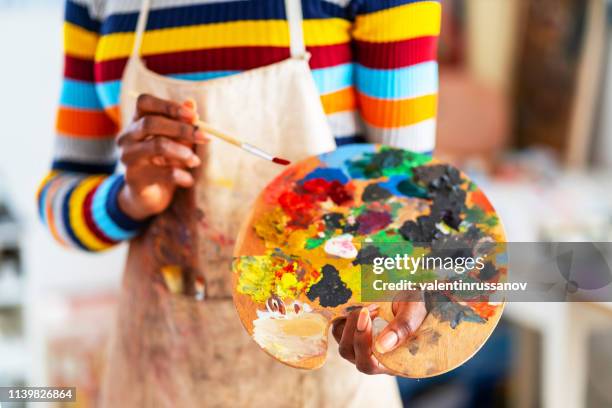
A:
374, 63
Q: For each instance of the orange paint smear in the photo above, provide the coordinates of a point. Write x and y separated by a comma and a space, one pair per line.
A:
479, 199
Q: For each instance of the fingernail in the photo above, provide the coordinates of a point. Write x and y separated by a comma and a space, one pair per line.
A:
190, 102
194, 161
186, 113
386, 342
362, 320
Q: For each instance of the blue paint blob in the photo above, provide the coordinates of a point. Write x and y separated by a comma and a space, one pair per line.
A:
339, 158
327, 174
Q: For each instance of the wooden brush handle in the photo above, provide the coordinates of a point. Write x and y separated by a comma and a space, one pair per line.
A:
221, 135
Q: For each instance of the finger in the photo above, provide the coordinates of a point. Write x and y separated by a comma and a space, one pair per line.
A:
365, 361
151, 105
345, 346
339, 324
408, 318
160, 151
160, 161
338, 328
146, 174
182, 178
148, 126
190, 103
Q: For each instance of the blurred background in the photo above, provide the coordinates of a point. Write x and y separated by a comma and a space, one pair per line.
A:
525, 109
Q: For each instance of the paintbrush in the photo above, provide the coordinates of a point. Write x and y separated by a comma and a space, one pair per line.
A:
239, 143
205, 127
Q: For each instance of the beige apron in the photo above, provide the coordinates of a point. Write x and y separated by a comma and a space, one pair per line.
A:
179, 350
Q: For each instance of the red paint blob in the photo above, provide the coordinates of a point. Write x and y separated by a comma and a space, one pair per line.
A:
322, 189
282, 162
338, 194
297, 206
300, 203
317, 188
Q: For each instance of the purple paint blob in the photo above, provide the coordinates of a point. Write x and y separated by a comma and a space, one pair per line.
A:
372, 221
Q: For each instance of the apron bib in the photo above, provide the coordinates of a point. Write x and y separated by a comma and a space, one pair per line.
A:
189, 349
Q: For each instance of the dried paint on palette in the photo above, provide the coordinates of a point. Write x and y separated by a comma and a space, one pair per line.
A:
291, 333
314, 220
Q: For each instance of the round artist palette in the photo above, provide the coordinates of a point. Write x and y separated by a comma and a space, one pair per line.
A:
299, 256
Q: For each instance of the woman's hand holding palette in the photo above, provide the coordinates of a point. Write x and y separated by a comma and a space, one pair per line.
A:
305, 255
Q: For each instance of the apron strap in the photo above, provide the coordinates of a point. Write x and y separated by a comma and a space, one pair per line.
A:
141, 26
293, 8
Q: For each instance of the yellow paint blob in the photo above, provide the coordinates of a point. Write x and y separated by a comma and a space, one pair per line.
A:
271, 228
305, 326
256, 277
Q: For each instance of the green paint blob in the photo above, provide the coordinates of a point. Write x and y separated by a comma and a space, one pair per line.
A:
476, 215
387, 162
410, 189
390, 243
313, 243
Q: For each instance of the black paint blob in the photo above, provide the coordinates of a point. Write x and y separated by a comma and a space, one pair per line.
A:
422, 231
374, 192
452, 246
366, 255
446, 310
434, 177
330, 290
443, 184
488, 272
333, 220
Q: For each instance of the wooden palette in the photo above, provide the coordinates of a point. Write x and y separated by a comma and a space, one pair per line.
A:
297, 258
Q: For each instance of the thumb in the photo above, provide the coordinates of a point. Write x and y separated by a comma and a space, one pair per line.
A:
408, 318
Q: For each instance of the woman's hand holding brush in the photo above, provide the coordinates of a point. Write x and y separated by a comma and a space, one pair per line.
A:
157, 149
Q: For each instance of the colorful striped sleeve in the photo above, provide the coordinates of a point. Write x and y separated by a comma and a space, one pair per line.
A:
77, 200
396, 70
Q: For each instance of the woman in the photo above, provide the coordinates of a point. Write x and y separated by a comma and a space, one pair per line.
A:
373, 64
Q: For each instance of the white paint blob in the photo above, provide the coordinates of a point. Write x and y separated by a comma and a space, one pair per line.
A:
297, 334
341, 246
